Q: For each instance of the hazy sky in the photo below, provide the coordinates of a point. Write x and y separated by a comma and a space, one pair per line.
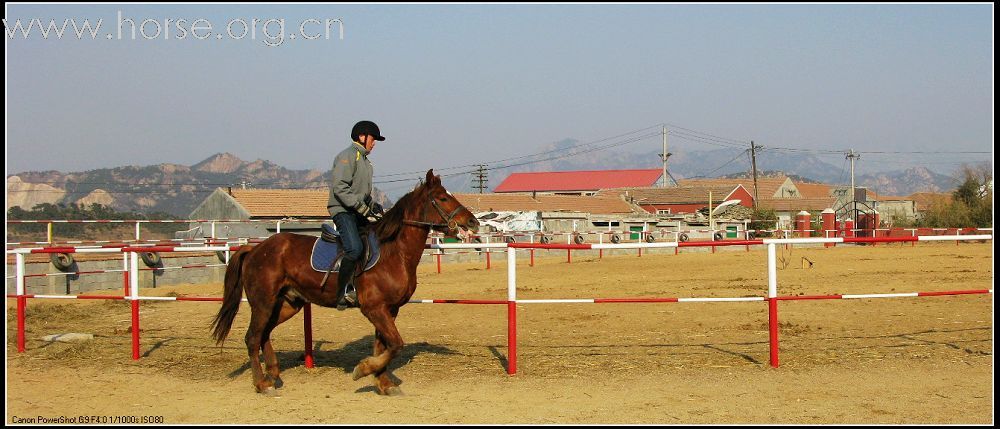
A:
461, 84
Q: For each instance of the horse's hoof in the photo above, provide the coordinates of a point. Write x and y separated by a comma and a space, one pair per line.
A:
271, 392
394, 391
357, 374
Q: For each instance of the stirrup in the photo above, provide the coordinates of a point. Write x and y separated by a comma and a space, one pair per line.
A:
349, 299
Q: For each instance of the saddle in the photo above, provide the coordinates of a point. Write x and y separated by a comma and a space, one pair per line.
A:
327, 251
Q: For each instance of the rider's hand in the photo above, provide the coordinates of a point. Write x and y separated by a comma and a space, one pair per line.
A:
377, 210
365, 207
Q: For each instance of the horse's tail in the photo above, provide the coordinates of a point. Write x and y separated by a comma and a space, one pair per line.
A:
231, 296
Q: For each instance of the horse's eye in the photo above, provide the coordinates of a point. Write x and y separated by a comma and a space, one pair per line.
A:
443, 199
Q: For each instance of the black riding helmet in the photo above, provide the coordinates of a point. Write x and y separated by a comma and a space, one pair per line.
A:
366, 127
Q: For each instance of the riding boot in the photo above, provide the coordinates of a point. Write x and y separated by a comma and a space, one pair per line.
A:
347, 296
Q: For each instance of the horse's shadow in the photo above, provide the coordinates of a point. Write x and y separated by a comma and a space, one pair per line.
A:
349, 355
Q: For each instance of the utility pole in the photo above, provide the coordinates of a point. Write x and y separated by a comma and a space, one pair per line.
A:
852, 155
480, 175
753, 165
663, 157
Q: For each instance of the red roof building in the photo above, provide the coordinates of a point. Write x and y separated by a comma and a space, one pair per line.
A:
578, 182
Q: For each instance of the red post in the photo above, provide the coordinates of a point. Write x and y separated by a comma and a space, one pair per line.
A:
569, 256
511, 337
600, 253
439, 263
22, 304
308, 328
135, 329
802, 222
772, 323
829, 223
532, 263
640, 252
487, 259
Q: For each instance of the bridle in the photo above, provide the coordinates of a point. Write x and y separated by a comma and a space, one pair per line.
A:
449, 219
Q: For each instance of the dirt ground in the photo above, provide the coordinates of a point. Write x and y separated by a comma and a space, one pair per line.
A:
882, 361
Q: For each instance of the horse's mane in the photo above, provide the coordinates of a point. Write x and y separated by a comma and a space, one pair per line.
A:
387, 229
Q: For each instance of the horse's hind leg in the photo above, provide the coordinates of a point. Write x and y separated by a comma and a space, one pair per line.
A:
258, 323
286, 312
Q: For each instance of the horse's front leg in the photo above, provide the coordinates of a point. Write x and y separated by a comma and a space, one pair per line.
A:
383, 382
388, 344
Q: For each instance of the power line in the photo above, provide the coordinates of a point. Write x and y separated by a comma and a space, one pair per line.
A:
739, 155
699, 139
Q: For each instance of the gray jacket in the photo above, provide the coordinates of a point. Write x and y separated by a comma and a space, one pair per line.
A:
352, 180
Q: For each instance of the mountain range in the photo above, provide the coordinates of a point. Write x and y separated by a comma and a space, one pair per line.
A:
177, 189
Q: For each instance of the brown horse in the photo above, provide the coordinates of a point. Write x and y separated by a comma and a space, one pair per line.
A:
278, 280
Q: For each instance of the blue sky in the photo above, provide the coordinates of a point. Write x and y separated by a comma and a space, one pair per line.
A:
462, 84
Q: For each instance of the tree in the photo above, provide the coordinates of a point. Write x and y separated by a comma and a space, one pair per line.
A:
970, 205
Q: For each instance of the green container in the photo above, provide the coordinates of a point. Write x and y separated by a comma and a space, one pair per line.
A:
731, 231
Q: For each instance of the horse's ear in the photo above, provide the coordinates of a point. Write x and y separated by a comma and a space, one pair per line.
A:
432, 179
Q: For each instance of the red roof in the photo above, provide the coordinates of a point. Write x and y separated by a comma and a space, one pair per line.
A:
550, 181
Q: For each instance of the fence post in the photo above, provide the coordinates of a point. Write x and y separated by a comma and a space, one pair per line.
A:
137, 231
22, 302
307, 327
125, 276
50, 232
134, 282
772, 303
511, 311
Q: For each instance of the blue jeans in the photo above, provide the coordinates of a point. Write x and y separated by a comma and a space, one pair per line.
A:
350, 238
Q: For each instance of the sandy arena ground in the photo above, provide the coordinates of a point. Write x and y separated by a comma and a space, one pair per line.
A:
890, 361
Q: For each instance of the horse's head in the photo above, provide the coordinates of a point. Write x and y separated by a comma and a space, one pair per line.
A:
449, 215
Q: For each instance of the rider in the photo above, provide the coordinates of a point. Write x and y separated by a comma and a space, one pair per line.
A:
351, 204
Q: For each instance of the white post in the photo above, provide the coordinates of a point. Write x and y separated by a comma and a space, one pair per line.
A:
134, 275
511, 275
772, 272
19, 273
137, 231
277, 229
213, 229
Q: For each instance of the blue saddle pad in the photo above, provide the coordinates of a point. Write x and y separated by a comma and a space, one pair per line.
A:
324, 252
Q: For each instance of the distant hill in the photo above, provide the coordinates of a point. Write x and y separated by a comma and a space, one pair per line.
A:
178, 189
170, 188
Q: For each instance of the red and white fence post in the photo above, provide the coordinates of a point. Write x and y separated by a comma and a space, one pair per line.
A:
511, 311
772, 303
22, 302
134, 297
